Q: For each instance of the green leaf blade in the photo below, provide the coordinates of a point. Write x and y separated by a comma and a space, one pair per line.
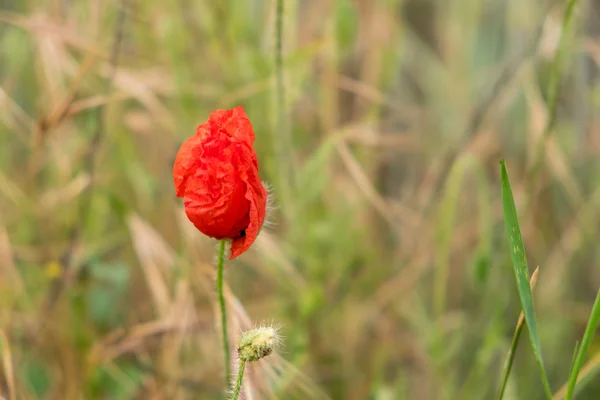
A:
590, 330
519, 262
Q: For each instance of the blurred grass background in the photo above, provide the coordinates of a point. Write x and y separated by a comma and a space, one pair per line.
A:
386, 264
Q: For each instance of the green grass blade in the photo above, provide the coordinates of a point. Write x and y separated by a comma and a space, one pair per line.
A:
585, 344
515, 341
587, 375
574, 358
519, 262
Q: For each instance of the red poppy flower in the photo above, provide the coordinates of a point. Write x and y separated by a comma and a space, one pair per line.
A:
216, 173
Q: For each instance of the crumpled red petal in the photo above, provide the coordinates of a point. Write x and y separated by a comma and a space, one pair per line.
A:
186, 162
235, 122
257, 196
215, 198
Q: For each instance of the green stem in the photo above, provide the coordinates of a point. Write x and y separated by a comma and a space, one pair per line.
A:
279, 63
223, 310
239, 380
282, 139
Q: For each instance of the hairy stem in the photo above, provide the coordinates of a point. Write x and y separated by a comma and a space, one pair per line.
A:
239, 380
225, 341
282, 139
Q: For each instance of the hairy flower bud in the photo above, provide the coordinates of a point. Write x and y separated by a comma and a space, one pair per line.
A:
258, 343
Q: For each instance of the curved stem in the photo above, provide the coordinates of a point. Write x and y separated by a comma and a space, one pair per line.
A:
225, 341
239, 380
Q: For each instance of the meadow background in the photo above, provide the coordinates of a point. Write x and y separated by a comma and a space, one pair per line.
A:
386, 263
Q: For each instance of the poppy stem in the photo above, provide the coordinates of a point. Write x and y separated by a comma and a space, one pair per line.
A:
220, 263
282, 139
239, 380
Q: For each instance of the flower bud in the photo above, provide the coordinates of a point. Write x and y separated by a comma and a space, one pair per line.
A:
258, 343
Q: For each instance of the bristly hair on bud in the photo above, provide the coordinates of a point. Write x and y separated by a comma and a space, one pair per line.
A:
258, 343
